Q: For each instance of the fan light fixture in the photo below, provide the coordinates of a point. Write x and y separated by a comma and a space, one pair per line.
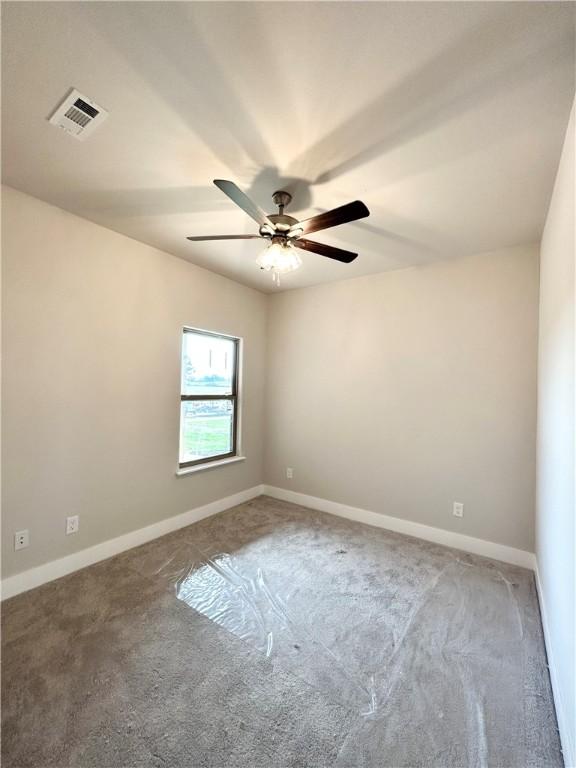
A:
279, 258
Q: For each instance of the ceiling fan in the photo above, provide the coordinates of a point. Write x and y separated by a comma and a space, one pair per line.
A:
284, 233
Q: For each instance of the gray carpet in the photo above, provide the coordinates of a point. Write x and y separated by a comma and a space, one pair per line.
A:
271, 635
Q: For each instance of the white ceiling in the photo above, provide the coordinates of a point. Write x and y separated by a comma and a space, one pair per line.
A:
446, 119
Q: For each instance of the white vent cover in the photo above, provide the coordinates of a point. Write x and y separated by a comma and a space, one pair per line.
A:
78, 115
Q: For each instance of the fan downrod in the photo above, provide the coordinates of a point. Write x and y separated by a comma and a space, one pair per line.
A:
281, 199
280, 221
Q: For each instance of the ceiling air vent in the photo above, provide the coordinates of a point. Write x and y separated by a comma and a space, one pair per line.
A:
78, 115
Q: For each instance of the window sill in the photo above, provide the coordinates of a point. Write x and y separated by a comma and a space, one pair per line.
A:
209, 465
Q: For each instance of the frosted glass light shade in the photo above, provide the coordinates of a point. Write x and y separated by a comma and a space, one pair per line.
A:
279, 259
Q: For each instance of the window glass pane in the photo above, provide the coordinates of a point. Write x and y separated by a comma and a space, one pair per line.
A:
205, 429
207, 364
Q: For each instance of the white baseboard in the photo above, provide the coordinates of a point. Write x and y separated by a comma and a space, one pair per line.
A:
567, 736
34, 577
418, 530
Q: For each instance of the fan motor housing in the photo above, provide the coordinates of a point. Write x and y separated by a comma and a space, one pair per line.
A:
282, 223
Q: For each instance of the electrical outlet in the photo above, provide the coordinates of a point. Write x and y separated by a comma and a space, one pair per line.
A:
21, 540
289, 473
72, 524
458, 509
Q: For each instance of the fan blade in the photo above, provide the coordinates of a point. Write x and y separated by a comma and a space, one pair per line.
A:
325, 250
342, 215
224, 237
241, 199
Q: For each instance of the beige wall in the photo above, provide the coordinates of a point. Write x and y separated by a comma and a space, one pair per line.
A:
405, 391
91, 344
555, 507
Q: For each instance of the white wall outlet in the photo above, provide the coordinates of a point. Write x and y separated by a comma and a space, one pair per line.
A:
289, 473
458, 509
21, 539
72, 524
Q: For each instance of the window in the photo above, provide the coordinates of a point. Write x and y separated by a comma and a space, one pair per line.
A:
209, 397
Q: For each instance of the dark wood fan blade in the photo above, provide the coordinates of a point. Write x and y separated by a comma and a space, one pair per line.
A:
342, 215
243, 201
224, 237
325, 250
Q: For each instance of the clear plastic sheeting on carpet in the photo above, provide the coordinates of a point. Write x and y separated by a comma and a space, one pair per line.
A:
447, 668
272, 636
244, 604
453, 656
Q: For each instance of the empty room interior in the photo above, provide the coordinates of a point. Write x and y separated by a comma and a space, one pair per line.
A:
288, 425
